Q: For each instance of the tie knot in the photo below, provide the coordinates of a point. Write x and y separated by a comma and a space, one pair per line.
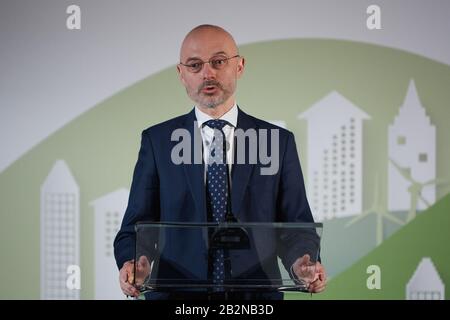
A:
216, 123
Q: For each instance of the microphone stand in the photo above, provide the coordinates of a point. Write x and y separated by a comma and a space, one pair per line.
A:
228, 236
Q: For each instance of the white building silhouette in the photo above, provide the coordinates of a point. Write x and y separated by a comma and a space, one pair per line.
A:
60, 232
109, 211
412, 145
425, 284
334, 157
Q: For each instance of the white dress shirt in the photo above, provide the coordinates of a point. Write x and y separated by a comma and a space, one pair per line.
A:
207, 133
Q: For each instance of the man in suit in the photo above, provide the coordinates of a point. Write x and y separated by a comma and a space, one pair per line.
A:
167, 189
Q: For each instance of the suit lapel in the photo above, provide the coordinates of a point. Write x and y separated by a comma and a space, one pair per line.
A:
241, 172
195, 171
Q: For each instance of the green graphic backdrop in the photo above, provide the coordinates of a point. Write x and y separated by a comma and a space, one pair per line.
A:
282, 79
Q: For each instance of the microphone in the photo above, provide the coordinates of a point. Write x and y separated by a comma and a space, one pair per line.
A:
230, 237
229, 217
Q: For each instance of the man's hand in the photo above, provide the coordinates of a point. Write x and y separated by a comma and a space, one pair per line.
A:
312, 274
129, 281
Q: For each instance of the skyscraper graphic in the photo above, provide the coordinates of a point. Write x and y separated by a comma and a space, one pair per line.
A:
109, 210
60, 232
334, 157
412, 156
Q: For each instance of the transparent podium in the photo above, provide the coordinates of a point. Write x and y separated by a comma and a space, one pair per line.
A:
257, 256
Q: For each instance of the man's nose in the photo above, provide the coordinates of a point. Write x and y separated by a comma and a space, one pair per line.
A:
208, 71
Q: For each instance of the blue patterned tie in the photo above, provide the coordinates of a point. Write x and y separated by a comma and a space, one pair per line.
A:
217, 191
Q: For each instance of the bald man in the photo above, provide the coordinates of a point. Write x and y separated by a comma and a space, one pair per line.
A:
212, 91
169, 189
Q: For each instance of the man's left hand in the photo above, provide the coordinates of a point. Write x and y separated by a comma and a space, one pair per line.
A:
303, 265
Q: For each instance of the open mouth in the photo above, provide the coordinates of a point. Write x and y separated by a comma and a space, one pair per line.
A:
209, 89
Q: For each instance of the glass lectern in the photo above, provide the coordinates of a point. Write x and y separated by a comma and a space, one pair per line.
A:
258, 256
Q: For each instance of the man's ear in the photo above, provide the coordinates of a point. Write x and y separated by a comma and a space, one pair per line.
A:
240, 67
180, 74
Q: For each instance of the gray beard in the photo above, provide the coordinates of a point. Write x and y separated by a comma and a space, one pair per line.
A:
212, 105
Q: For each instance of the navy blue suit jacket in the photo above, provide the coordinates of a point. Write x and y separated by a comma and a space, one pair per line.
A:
164, 191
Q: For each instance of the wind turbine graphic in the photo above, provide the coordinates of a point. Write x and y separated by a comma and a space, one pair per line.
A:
415, 189
379, 208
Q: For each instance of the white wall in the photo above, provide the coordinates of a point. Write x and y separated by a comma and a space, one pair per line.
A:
49, 75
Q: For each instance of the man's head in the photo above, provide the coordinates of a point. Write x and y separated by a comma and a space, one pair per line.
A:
212, 84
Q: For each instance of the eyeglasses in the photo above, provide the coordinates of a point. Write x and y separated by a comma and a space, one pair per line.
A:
217, 63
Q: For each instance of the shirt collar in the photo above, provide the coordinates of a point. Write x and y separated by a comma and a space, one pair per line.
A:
231, 116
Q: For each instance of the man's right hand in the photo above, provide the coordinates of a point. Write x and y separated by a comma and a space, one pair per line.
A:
127, 277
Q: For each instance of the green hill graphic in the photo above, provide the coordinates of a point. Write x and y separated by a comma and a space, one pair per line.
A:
398, 257
282, 79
